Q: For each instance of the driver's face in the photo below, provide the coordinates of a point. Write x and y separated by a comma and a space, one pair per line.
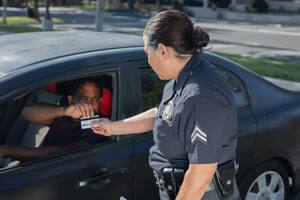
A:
88, 93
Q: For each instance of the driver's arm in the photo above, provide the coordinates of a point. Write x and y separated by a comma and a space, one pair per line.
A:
45, 114
29, 153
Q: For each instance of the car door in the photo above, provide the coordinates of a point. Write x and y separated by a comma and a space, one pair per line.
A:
102, 171
150, 89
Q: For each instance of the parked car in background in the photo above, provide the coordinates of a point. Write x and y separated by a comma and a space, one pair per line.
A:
31, 64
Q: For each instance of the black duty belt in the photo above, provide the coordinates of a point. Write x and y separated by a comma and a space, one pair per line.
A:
170, 180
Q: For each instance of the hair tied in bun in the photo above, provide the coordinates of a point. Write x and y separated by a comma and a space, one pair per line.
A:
200, 37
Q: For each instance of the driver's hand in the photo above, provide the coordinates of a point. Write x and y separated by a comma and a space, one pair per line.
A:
79, 110
103, 127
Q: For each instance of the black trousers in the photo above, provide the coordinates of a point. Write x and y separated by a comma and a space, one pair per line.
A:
209, 195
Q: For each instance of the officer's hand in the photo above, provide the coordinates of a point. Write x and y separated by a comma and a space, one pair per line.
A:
103, 127
77, 111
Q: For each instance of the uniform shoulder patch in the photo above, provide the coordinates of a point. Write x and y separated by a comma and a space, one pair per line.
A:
198, 134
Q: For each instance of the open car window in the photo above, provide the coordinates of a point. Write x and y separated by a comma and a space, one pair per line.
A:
64, 133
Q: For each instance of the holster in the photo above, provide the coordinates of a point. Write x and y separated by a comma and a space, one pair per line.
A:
224, 179
170, 180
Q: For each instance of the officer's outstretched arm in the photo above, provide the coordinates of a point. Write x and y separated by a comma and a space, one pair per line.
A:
140, 123
196, 181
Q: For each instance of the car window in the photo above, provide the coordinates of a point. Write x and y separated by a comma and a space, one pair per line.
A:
22, 130
238, 88
152, 88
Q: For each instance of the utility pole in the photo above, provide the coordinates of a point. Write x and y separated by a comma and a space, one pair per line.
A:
4, 12
99, 15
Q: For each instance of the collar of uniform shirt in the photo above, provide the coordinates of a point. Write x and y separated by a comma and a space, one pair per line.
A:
190, 66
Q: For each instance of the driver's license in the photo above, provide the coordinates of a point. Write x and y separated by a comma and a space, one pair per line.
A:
86, 122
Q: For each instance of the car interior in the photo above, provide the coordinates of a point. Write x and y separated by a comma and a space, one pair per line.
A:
16, 131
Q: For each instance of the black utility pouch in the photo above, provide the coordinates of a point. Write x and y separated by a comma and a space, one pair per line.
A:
224, 179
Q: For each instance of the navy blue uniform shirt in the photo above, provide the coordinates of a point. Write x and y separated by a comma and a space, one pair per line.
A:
196, 121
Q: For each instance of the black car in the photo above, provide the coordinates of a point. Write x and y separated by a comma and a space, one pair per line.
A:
32, 64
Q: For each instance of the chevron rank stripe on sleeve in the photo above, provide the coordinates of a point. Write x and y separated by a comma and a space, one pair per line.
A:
199, 134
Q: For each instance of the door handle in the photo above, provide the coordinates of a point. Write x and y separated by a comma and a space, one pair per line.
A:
101, 180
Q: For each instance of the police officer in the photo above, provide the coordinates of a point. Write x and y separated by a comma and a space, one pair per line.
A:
195, 125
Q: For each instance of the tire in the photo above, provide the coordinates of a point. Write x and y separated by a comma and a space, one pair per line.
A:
268, 181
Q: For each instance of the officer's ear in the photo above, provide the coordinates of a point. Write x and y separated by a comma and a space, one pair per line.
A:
163, 50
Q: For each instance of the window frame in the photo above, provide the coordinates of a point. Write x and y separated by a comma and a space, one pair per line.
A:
139, 69
245, 91
113, 72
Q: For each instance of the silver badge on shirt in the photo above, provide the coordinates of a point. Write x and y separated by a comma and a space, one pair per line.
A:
168, 110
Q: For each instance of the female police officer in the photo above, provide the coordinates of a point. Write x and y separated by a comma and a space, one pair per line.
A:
195, 125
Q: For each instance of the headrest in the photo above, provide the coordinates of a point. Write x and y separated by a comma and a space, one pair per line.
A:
106, 103
51, 88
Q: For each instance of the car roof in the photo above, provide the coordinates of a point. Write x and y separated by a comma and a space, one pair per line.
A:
20, 50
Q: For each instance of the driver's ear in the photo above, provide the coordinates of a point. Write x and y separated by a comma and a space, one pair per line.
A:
70, 99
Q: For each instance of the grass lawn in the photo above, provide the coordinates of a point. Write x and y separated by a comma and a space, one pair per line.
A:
268, 67
27, 20
18, 28
20, 24
19, 20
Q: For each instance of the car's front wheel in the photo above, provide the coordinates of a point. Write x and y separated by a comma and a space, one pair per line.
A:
268, 181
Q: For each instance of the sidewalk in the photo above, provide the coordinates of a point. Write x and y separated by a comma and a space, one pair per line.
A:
225, 14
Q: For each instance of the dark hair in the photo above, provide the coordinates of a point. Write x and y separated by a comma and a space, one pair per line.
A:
175, 29
73, 86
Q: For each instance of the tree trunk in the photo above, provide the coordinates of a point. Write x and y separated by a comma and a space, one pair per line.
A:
137, 4
130, 5
205, 3
158, 6
47, 13
4, 13
99, 15
36, 10
173, 4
